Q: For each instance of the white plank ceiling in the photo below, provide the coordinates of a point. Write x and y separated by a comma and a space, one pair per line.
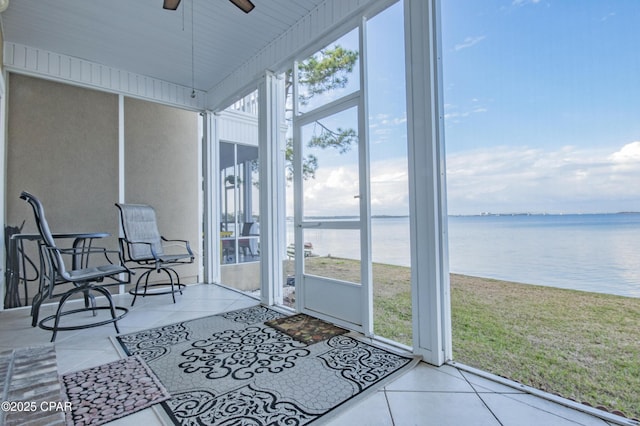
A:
139, 36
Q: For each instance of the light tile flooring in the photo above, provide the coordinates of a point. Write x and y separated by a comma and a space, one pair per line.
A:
424, 396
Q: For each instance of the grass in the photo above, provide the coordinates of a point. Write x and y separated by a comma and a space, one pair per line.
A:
580, 345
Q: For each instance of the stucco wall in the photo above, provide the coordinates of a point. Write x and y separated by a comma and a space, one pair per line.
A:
63, 147
161, 169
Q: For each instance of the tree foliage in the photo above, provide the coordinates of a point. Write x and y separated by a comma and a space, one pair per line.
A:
327, 70
340, 139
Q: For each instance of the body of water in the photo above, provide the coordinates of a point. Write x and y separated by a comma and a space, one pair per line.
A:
592, 252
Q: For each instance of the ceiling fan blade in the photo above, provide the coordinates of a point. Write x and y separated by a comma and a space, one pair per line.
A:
171, 4
245, 5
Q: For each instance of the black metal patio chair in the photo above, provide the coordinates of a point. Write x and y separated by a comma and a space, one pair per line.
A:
85, 279
143, 245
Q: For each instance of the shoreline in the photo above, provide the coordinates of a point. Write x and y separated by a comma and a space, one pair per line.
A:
470, 276
546, 286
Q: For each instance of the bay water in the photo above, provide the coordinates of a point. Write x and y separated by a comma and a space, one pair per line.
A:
590, 252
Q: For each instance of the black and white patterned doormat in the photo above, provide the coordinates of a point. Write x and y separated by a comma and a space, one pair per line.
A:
231, 368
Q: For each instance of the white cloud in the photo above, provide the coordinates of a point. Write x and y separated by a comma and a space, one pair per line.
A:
523, 2
568, 179
389, 187
468, 42
332, 192
630, 153
454, 114
381, 120
607, 16
385, 126
497, 179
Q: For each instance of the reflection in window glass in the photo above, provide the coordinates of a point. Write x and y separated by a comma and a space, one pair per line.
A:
228, 176
239, 208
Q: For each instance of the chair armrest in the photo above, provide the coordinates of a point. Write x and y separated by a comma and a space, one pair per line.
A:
79, 251
130, 242
186, 243
84, 253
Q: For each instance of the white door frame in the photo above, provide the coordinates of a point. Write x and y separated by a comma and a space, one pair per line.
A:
344, 303
272, 187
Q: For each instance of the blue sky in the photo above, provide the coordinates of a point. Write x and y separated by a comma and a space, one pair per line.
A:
542, 109
542, 105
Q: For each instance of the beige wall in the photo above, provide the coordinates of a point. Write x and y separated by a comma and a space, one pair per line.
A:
241, 276
62, 146
161, 169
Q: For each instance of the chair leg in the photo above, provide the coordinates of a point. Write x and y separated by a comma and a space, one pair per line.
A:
35, 309
39, 298
176, 282
146, 284
173, 283
168, 272
173, 289
56, 322
89, 299
112, 307
135, 293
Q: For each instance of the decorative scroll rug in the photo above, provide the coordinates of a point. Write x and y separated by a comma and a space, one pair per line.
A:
306, 329
101, 394
231, 368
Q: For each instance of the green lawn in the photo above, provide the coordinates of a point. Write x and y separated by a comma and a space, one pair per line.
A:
583, 346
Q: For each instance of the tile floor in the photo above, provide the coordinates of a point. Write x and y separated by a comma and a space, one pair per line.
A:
424, 396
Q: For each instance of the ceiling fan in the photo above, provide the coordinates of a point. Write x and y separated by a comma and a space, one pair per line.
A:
245, 5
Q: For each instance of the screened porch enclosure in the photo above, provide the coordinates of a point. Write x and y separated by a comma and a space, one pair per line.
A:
228, 184
212, 146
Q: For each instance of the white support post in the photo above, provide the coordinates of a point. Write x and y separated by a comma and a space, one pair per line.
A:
366, 271
202, 126
121, 172
429, 254
3, 146
121, 151
211, 195
272, 188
